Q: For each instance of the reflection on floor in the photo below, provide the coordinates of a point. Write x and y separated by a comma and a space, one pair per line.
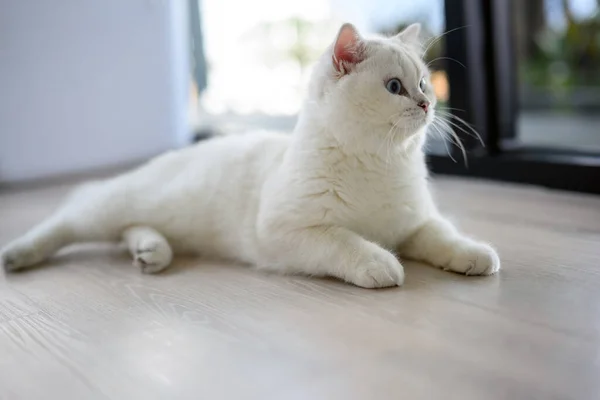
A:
563, 131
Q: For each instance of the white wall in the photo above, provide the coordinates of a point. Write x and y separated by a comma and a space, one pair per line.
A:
90, 83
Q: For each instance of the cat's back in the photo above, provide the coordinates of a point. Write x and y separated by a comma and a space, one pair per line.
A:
209, 192
241, 148
239, 164
213, 159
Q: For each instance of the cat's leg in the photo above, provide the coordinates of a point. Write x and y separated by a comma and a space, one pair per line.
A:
87, 215
331, 251
439, 243
150, 250
38, 244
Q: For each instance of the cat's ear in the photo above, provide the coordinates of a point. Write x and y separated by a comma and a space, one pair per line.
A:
348, 49
411, 35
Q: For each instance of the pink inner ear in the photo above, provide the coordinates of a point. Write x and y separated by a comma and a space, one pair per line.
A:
347, 48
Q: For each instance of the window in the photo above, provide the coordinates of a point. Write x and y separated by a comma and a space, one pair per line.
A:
557, 49
259, 54
524, 74
530, 87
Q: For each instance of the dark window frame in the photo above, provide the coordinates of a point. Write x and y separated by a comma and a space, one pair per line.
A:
481, 39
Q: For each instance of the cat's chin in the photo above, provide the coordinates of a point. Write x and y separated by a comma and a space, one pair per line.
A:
411, 126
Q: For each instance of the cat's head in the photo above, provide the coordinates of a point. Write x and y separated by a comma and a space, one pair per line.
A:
380, 84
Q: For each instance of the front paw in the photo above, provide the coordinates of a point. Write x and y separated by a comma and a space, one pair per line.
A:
377, 269
472, 258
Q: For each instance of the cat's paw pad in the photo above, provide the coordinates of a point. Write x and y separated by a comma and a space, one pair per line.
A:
152, 258
474, 259
379, 269
20, 256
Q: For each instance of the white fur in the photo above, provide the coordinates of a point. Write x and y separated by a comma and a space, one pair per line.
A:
339, 197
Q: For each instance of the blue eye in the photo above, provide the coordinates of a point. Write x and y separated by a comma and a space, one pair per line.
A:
422, 85
394, 86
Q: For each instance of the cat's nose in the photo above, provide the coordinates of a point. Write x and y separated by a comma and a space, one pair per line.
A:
424, 105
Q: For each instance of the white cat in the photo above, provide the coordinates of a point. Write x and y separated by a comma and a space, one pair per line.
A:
338, 198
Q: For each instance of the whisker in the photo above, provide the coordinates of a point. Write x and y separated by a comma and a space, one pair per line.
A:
471, 131
384, 142
443, 137
395, 129
438, 38
446, 58
442, 108
446, 129
456, 138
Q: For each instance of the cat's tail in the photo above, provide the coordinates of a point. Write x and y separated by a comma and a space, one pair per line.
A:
87, 215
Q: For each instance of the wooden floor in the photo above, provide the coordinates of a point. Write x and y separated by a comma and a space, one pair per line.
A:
89, 326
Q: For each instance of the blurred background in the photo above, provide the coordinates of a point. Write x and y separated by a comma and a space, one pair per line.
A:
557, 51
277, 44
89, 84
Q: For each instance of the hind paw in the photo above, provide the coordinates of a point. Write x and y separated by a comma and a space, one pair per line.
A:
17, 256
152, 258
